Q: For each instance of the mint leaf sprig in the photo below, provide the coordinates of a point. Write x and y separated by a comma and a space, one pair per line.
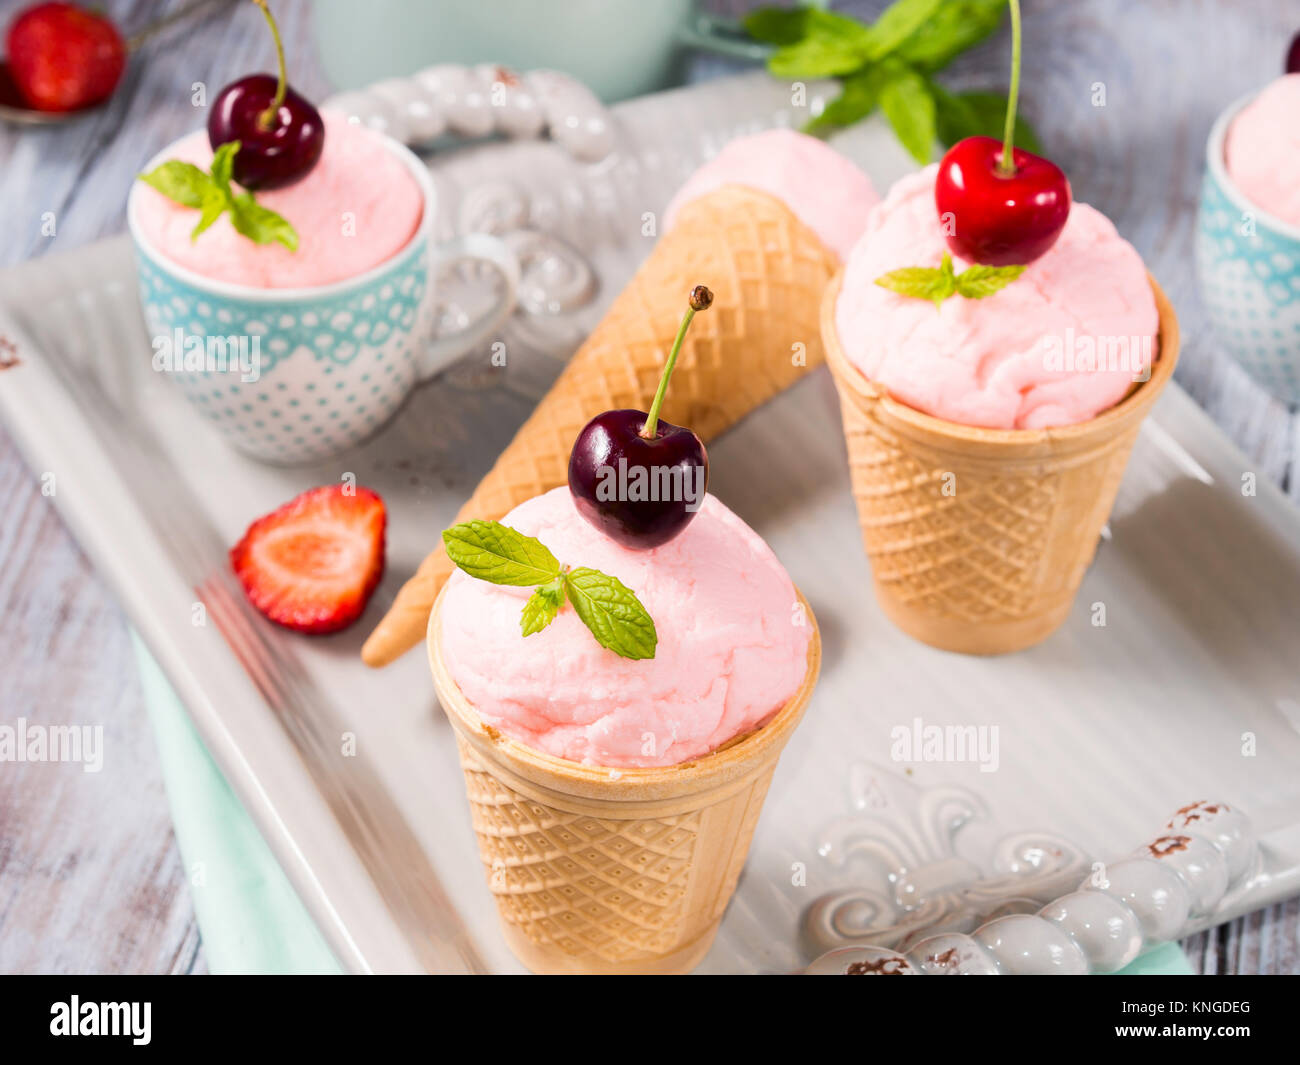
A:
210, 193
891, 64
498, 554
936, 284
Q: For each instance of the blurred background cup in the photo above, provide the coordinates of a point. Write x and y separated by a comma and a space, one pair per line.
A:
325, 366
617, 48
1248, 265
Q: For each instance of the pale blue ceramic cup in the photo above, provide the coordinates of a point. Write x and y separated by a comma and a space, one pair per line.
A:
310, 372
617, 48
1248, 265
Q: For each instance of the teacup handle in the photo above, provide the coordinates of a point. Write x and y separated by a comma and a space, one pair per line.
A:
472, 247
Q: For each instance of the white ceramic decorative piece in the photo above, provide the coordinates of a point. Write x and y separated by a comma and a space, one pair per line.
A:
474, 102
1119, 911
912, 834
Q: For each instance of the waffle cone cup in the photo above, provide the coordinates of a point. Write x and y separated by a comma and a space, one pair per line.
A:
979, 538
602, 871
767, 271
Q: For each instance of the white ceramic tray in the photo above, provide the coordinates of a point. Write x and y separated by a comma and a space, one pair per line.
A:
1103, 730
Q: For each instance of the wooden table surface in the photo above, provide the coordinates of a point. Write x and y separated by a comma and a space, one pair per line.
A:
90, 876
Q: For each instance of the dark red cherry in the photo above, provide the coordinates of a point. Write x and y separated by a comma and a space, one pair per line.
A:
1293, 56
638, 479
638, 491
277, 145
280, 134
995, 217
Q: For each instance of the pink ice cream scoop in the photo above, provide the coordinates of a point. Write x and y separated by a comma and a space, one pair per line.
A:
357, 208
830, 195
1262, 152
1057, 346
732, 650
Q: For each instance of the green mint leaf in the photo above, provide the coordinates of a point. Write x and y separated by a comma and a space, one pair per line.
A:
612, 612
184, 183
859, 95
213, 207
830, 26
212, 196
815, 57
977, 114
790, 25
946, 287
261, 224
956, 26
223, 165
912, 39
907, 103
922, 282
896, 24
919, 282
777, 25
977, 282
499, 554
827, 44
542, 607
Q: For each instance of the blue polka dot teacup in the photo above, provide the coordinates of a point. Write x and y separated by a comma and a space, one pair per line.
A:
295, 375
1248, 263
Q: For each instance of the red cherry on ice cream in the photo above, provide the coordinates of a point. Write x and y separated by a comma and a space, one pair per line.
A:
635, 477
280, 134
1293, 56
640, 492
995, 217
273, 151
998, 205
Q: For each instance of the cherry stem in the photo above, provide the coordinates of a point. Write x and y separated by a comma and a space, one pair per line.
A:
701, 297
1007, 162
268, 116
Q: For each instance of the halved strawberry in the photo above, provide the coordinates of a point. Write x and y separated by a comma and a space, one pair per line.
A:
312, 565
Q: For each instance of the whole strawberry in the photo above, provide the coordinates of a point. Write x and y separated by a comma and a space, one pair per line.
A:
64, 58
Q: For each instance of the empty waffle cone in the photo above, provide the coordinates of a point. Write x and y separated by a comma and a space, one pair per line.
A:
979, 538
602, 871
767, 271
